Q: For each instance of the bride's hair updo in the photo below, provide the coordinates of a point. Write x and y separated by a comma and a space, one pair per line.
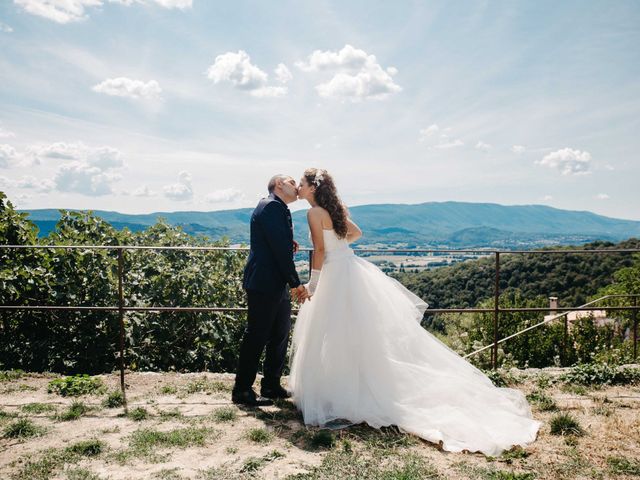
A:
326, 196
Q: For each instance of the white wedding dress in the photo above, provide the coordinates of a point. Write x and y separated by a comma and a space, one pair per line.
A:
360, 354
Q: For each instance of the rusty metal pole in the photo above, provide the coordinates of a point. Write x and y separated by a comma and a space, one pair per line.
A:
496, 314
121, 316
310, 262
565, 340
634, 315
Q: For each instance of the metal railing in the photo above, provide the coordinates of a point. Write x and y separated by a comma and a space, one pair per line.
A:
121, 307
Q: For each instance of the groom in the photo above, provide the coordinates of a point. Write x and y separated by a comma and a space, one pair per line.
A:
269, 269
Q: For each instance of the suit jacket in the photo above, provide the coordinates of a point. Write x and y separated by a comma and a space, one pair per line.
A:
270, 264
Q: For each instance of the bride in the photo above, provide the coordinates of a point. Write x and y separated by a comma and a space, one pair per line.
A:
360, 354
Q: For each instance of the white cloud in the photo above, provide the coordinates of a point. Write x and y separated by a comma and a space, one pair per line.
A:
90, 171
127, 87
143, 191
237, 69
273, 92
5, 28
519, 149
80, 177
602, 196
66, 11
61, 11
429, 131
485, 147
180, 4
445, 145
568, 161
28, 182
7, 155
283, 74
547, 198
182, 190
6, 133
67, 151
358, 75
224, 196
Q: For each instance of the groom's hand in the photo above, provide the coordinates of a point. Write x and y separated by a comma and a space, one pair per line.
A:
300, 293
296, 247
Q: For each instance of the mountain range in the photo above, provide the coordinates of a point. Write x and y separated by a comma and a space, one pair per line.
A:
435, 224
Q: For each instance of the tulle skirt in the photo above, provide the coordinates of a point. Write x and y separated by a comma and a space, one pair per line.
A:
360, 354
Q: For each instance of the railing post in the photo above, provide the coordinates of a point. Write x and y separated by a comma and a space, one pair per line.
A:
565, 340
496, 313
634, 316
121, 318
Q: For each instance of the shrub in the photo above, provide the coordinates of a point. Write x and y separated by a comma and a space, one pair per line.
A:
565, 424
115, 399
23, 428
76, 385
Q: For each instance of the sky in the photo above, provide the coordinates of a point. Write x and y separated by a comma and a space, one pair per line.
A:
140, 106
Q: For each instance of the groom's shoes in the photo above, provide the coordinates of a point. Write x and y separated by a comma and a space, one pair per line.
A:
249, 399
274, 392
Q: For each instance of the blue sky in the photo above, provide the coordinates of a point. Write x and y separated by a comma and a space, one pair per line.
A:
141, 106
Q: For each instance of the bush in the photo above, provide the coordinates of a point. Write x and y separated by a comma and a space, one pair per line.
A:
88, 448
565, 424
115, 399
23, 428
76, 385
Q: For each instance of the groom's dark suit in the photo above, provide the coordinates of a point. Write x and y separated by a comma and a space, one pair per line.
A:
270, 268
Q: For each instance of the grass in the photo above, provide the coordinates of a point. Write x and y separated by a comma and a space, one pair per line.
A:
138, 414
353, 466
225, 414
259, 435
88, 448
76, 410
81, 474
544, 402
624, 466
204, 385
482, 473
252, 464
49, 462
35, 408
10, 375
323, 439
565, 424
114, 399
23, 428
144, 442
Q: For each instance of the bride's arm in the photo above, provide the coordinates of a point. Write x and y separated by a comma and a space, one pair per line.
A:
353, 231
314, 217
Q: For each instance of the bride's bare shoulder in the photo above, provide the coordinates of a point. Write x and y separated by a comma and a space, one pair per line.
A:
317, 212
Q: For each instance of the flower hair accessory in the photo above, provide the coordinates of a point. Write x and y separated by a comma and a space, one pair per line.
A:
318, 178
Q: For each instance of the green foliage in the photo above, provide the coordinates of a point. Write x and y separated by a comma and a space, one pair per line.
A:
23, 428
88, 448
565, 424
225, 414
114, 399
138, 414
543, 401
38, 408
259, 435
597, 374
624, 466
74, 412
323, 439
85, 342
76, 385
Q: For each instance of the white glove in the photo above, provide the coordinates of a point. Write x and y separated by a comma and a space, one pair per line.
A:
313, 281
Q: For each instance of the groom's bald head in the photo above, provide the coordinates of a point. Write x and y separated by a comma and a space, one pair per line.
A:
271, 186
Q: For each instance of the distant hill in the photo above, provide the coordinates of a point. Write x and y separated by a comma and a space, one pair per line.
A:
454, 224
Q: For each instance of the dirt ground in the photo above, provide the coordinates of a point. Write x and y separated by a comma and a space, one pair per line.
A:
283, 446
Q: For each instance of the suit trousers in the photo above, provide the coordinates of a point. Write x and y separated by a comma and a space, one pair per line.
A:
268, 325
